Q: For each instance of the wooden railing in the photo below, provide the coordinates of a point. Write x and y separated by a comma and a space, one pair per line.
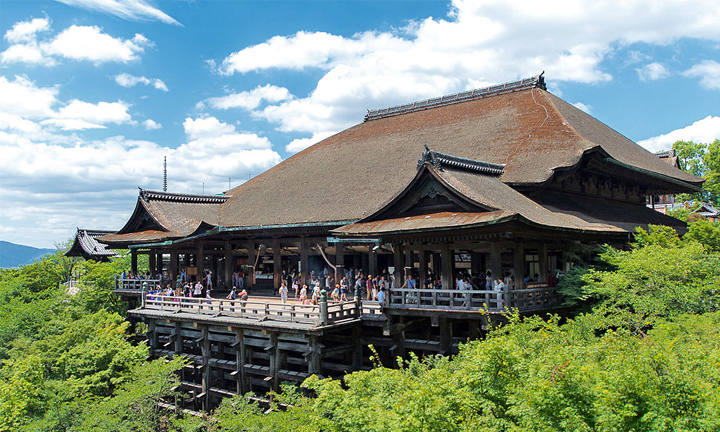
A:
522, 300
535, 299
321, 314
447, 299
135, 284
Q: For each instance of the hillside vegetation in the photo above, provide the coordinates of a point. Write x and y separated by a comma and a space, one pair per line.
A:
642, 353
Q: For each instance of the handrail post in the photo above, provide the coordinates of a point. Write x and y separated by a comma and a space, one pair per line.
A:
323, 308
358, 301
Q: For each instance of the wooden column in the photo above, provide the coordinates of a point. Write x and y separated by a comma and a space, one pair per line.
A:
240, 362
151, 334
496, 260
251, 264
372, 262
446, 274
408, 264
229, 265
314, 360
159, 262
172, 271
365, 261
304, 262
543, 261
277, 263
339, 262
358, 352
476, 264
133, 261
424, 258
399, 263
519, 264
206, 355
200, 261
214, 269
178, 338
151, 264
274, 352
445, 335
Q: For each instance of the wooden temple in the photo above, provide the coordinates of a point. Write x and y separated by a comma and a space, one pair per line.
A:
509, 178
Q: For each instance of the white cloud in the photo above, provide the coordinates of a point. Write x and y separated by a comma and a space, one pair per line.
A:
208, 134
21, 97
127, 80
26, 31
248, 100
102, 112
151, 124
91, 44
25, 53
708, 71
581, 106
136, 10
479, 43
706, 130
300, 144
652, 72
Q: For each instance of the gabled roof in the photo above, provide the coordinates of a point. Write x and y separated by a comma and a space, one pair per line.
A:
87, 246
353, 174
165, 215
496, 202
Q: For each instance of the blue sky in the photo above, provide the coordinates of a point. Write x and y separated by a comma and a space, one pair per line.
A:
94, 93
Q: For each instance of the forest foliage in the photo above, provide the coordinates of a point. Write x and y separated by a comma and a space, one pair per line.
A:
641, 352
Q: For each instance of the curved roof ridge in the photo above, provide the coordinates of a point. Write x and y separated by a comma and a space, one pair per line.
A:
538, 81
180, 197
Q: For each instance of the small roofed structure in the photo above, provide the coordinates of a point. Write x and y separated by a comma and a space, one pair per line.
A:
88, 247
708, 211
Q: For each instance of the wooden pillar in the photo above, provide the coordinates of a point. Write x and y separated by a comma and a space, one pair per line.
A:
251, 264
214, 269
151, 334
445, 335
424, 258
151, 264
357, 261
200, 261
178, 338
172, 271
476, 264
339, 262
495, 260
408, 264
240, 362
519, 264
277, 263
399, 263
133, 261
274, 352
229, 265
206, 355
446, 274
358, 353
159, 263
314, 361
543, 261
304, 262
365, 260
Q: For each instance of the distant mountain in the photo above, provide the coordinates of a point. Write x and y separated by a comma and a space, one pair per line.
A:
14, 255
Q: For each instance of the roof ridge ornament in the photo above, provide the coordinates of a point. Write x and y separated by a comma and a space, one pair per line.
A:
148, 195
538, 81
441, 161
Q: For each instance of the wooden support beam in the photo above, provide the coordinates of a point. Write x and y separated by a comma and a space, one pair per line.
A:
446, 259
495, 260
304, 262
339, 262
239, 362
206, 375
251, 263
277, 263
519, 265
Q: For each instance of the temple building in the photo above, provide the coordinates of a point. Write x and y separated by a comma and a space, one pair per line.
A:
500, 182
503, 179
